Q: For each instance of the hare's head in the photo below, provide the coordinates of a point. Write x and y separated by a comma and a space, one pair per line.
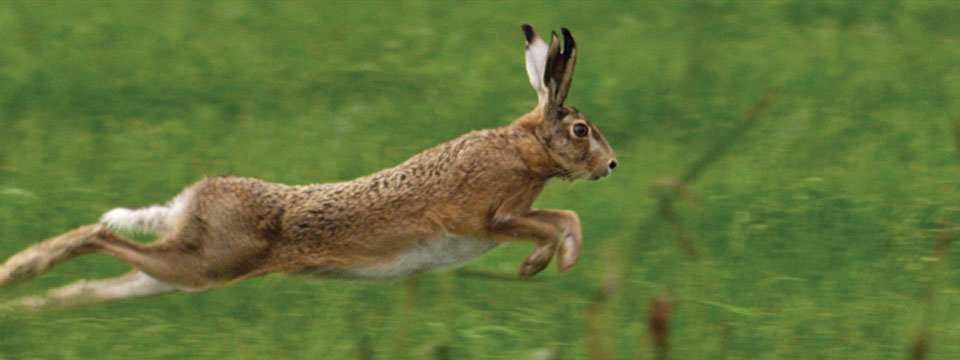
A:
572, 141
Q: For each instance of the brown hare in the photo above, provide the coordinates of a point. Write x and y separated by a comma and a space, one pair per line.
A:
442, 207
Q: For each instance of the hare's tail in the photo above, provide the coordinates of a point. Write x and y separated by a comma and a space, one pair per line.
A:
156, 219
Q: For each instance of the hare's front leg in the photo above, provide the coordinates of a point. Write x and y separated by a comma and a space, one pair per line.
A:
555, 231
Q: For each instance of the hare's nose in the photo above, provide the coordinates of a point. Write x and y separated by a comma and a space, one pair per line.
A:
613, 164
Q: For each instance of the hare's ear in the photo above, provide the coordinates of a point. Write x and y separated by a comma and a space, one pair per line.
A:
565, 64
559, 71
536, 54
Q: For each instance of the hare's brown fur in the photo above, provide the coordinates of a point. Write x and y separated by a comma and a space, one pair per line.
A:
443, 206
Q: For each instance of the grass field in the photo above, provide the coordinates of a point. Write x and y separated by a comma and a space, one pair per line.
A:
822, 129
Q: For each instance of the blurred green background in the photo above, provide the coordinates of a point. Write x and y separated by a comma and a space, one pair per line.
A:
808, 234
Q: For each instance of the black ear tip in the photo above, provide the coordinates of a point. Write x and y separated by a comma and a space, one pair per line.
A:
528, 32
567, 37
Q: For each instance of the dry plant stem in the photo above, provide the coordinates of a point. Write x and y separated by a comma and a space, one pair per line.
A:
920, 346
661, 309
364, 348
668, 189
940, 254
593, 330
591, 323
693, 172
670, 215
956, 136
405, 316
441, 352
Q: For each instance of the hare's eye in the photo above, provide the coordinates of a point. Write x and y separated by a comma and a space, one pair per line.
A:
580, 130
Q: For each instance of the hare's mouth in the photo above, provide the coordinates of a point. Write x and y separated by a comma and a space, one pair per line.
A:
602, 175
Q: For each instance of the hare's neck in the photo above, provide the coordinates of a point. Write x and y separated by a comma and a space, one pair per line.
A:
539, 162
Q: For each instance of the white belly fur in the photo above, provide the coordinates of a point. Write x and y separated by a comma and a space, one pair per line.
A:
433, 254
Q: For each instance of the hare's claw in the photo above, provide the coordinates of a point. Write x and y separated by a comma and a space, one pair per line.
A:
568, 252
537, 260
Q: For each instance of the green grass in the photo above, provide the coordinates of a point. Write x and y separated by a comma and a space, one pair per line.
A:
814, 230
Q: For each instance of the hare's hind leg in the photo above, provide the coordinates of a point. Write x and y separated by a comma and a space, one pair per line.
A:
40, 257
163, 266
131, 285
163, 260
157, 219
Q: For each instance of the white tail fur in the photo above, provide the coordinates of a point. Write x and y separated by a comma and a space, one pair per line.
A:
156, 219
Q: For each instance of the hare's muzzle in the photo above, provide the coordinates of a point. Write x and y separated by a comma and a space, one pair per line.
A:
612, 164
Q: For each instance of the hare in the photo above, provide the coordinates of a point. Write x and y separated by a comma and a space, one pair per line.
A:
444, 206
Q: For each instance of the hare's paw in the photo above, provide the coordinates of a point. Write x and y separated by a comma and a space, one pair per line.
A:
537, 260
569, 252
